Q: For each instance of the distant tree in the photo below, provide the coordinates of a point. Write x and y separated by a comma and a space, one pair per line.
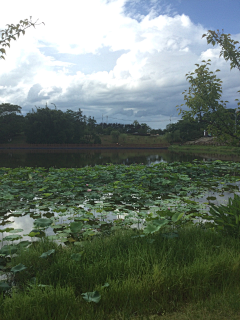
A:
144, 129
12, 31
10, 123
49, 126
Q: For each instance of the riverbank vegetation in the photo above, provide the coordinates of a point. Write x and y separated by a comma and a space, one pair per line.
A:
126, 242
127, 276
227, 150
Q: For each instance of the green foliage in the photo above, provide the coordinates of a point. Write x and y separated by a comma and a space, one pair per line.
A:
20, 267
229, 49
48, 253
226, 217
10, 123
115, 135
12, 31
202, 98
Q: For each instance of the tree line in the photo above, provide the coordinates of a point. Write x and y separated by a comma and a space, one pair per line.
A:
46, 125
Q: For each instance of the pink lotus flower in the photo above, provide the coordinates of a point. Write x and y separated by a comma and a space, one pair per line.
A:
87, 184
88, 190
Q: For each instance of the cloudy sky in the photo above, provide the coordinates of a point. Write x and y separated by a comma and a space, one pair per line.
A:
117, 60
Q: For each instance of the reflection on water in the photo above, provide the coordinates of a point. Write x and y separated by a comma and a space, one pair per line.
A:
82, 158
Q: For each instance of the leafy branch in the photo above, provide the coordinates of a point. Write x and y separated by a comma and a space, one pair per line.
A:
229, 49
12, 31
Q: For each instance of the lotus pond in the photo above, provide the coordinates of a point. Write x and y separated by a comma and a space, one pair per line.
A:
70, 205
74, 206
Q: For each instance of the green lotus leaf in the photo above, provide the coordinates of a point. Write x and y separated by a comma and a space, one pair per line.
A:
12, 237
77, 256
92, 296
43, 222
15, 230
177, 216
4, 286
76, 227
11, 249
48, 253
18, 268
33, 234
155, 225
6, 230
24, 243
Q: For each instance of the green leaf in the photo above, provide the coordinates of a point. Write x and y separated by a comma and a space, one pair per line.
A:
177, 216
77, 256
76, 227
12, 237
48, 253
43, 222
15, 230
4, 286
18, 268
11, 249
155, 226
106, 284
92, 296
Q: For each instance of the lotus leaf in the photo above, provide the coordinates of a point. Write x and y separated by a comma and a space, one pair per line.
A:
4, 286
76, 227
77, 256
92, 296
15, 230
48, 253
43, 222
11, 249
18, 268
12, 237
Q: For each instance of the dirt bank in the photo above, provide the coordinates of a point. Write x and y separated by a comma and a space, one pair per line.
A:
205, 141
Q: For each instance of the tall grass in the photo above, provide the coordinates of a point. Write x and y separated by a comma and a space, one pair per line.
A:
147, 276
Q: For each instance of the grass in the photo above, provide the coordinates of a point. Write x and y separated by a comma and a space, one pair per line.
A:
193, 276
224, 150
125, 139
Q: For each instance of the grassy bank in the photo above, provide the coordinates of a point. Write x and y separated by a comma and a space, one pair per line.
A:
225, 150
124, 139
192, 276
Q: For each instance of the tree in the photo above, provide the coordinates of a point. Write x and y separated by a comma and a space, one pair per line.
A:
49, 126
184, 130
229, 49
8, 108
10, 123
203, 98
12, 31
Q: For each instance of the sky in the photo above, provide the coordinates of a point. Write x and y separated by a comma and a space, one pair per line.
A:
116, 60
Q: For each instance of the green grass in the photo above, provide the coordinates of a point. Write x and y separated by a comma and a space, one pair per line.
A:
193, 276
133, 139
225, 150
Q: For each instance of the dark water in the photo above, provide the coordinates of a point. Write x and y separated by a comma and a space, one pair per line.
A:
82, 158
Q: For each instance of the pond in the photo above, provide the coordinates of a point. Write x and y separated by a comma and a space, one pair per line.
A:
80, 158
74, 204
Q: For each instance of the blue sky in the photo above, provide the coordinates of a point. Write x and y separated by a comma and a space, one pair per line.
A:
117, 60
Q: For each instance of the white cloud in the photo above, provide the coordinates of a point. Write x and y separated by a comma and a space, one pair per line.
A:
146, 81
